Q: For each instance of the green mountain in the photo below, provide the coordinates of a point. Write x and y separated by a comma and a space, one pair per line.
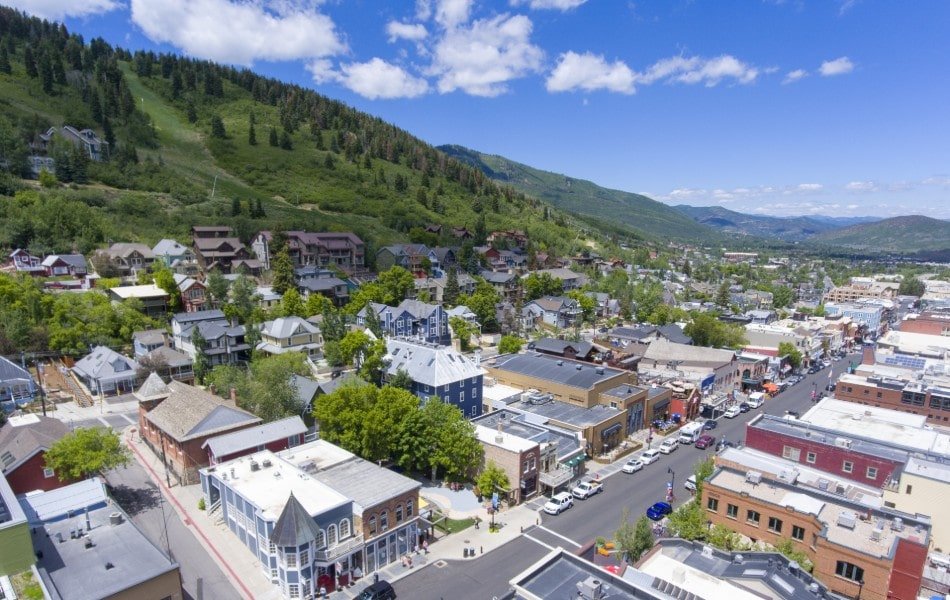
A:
647, 217
195, 143
909, 234
789, 229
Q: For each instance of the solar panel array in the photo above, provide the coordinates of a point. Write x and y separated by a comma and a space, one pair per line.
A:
910, 362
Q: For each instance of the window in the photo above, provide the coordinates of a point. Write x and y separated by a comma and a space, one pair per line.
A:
849, 571
47, 473
304, 557
871, 473
753, 517
293, 590
273, 574
775, 525
732, 511
384, 520
811, 457
408, 508
474, 411
321, 539
399, 513
372, 525
791, 453
847, 466
910, 488
331, 536
712, 504
290, 559
462, 397
798, 533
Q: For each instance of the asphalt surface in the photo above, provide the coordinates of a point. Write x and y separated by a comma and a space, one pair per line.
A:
600, 515
201, 577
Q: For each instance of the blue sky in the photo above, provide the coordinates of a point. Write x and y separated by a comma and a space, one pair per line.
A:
769, 107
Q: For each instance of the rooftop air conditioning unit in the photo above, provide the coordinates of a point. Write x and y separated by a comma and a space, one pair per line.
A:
847, 519
876, 534
897, 524
843, 443
753, 477
590, 589
255, 466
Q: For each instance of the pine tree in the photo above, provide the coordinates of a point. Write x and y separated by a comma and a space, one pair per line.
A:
272, 138
235, 206
217, 128
328, 161
95, 107
283, 272
285, 142
46, 73
251, 136
176, 85
4, 61
192, 113
451, 293
107, 132
259, 211
30, 63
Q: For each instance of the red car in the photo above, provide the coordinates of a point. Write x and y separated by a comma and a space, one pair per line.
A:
705, 441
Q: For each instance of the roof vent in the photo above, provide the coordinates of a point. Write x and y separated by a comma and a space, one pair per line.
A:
255, 466
877, 533
560, 363
847, 519
590, 589
88, 543
109, 566
115, 518
897, 524
793, 567
738, 559
599, 370
578, 367
266, 463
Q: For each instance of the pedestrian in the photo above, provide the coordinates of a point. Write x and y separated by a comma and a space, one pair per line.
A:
425, 546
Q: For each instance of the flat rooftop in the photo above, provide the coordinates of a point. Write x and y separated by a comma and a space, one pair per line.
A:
514, 423
499, 391
120, 556
891, 426
563, 412
929, 469
843, 525
562, 371
558, 573
503, 439
806, 431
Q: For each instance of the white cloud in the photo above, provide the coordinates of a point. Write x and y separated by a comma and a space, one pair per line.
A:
239, 32
60, 9
796, 75
838, 66
406, 31
483, 56
379, 79
809, 187
861, 186
694, 69
941, 181
450, 13
590, 72
852, 206
321, 69
549, 4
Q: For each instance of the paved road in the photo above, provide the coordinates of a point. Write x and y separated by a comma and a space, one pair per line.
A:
139, 496
488, 576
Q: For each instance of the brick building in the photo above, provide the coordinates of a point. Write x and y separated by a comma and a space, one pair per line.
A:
905, 394
930, 323
24, 441
176, 419
274, 436
519, 458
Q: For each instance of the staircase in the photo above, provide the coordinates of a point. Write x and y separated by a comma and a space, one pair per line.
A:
57, 376
82, 398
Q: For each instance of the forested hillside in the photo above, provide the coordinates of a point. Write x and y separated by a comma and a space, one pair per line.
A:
193, 142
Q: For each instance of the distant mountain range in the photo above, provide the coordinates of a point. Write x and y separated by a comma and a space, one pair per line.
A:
789, 229
912, 233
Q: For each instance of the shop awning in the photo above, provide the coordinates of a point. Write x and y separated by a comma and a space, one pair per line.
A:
752, 380
770, 387
615, 428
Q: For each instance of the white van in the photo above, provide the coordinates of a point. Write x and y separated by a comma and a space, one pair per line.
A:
689, 433
756, 399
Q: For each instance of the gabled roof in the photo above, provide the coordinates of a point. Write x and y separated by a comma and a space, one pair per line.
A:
306, 389
321, 284
22, 437
252, 437
295, 527
170, 356
201, 315
123, 249
12, 372
428, 364
149, 337
497, 277
184, 282
284, 327
154, 387
419, 310
105, 363
170, 248
555, 346
554, 303
190, 412
73, 260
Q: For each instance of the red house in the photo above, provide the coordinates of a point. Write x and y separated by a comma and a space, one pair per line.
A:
864, 461
275, 436
24, 441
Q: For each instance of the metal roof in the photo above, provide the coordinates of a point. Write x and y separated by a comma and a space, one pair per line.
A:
252, 437
429, 364
55, 504
565, 372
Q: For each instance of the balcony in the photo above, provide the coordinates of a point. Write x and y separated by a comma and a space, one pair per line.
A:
345, 547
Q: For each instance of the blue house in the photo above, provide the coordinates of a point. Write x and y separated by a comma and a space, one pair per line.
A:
412, 319
438, 372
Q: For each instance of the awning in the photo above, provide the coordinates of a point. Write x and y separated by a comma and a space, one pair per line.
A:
615, 428
752, 380
770, 387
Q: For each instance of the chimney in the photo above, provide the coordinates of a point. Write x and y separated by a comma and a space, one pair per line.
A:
867, 357
234, 396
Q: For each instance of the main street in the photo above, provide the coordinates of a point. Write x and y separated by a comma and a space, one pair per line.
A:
599, 516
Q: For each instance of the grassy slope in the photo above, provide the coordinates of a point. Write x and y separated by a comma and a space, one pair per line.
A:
790, 229
645, 216
898, 234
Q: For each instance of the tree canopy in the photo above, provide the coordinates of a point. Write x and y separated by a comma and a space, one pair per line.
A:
85, 452
707, 330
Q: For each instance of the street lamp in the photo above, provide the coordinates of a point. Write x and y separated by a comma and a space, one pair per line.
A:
672, 479
814, 391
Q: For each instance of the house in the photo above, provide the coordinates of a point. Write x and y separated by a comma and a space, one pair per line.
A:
512, 260
463, 312
129, 258
87, 547
509, 237
461, 233
411, 257
711, 368
38, 164
434, 287
176, 256
564, 348
411, 319
85, 139
274, 436
176, 419
291, 334
267, 298
556, 311
319, 513
224, 344
170, 364
194, 294
443, 258
211, 231
106, 372
438, 372
16, 547
314, 280
154, 300
761, 316
183, 322
59, 265
343, 250
216, 247
17, 386
145, 341
24, 262
506, 284
604, 306
24, 441
569, 279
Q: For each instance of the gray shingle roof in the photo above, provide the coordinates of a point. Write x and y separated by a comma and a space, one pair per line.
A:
284, 327
201, 315
105, 364
252, 437
306, 389
294, 527
149, 337
170, 356
190, 412
547, 367
12, 372
153, 387
555, 303
419, 310
428, 364
497, 277
22, 437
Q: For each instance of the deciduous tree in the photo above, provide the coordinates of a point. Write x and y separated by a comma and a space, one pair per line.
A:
85, 452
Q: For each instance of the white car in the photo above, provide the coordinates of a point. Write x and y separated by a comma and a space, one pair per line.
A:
650, 456
558, 503
732, 412
632, 466
668, 446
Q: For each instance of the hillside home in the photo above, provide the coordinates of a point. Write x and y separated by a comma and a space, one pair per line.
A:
106, 372
129, 257
411, 257
24, 441
87, 140
411, 319
438, 372
343, 250
291, 334
194, 294
24, 262
176, 256
556, 311
61, 265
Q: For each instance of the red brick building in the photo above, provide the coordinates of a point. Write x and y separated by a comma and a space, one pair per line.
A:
909, 396
930, 323
24, 441
275, 436
176, 419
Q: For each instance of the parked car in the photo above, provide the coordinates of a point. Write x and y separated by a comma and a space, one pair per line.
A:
668, 446
632, 466
744, 407
732, 412
659, 510
558, 503
705, 441
710, 424
792, 414
723, 444
586, 489
650, 456
830, 387
381, 590
690, 483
